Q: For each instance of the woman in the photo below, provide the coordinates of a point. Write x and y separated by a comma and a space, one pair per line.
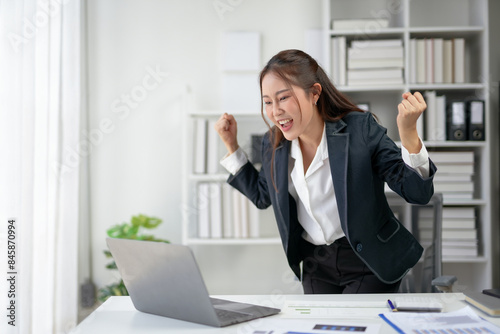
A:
324, 164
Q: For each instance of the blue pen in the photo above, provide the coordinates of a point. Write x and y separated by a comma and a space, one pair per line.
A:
391, 305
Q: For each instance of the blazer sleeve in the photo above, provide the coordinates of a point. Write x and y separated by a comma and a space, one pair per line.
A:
388, 162
252, 184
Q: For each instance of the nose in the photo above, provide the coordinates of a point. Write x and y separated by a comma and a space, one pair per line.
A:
277, 110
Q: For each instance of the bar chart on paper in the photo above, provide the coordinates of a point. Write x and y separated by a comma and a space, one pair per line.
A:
461, 321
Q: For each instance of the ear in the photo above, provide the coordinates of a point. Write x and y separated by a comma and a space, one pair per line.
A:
316, 90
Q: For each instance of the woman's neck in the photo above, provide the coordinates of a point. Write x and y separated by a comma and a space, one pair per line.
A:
310, 141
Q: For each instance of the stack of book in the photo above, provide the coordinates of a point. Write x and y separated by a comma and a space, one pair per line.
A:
454, 176
459, 232
223, 212
436, 60
375, 62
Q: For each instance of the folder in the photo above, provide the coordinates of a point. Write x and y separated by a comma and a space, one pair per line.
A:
475, 119
456, 125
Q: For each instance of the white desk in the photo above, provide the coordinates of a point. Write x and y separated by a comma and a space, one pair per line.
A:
118, 315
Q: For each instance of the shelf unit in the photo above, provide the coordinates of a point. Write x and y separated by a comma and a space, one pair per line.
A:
446, 19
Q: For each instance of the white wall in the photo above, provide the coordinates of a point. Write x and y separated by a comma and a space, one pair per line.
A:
135, 165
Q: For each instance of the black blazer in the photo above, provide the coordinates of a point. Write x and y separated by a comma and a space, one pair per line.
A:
362, 157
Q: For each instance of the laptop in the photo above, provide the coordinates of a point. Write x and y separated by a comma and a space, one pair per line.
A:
164, 279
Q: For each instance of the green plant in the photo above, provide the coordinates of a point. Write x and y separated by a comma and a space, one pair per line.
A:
127, 231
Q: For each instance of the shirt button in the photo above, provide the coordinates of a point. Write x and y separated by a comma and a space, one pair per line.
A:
359, 247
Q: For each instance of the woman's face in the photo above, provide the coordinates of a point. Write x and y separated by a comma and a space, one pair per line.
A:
282, 109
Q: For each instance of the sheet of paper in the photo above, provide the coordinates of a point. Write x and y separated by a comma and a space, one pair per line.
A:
464, 320
333, 309
296, 326
241, 51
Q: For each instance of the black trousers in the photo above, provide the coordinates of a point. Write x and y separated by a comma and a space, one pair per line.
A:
337, 269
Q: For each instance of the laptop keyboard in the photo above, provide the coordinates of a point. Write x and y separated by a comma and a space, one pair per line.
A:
225, 315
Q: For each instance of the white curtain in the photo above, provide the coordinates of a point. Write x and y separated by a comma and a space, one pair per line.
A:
40, 110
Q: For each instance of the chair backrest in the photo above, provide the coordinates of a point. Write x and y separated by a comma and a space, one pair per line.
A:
432, 257
430, 265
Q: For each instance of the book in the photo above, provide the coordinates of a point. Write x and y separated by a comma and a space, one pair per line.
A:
375, 63
450, 234
227, 218
438, 59
452, 157
200, 155
459, 60
440, 105
430, 115
375, 52
203, 203
453, 177
458, 196
488, 304
372, 82
455, 168
459, 251
212, 148
453, 186
366, 43
339, 60
449, 223
215, 210
449, 212
447, 61
459, 243
236, 213
413, 60
429, 60
386, 73
244, 221
421, 61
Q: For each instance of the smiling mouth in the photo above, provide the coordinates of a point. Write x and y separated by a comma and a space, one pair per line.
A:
285, 123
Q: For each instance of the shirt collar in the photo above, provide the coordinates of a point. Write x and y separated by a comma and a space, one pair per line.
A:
295, 151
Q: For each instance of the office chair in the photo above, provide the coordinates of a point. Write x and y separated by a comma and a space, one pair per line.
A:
430, 276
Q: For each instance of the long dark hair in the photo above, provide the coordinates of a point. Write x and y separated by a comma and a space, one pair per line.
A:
299, 69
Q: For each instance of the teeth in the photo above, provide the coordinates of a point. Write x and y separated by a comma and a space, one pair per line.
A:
284, 121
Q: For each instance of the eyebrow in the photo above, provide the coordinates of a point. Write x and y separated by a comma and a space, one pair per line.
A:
278, 92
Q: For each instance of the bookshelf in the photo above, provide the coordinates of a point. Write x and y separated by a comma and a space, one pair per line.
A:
407, 20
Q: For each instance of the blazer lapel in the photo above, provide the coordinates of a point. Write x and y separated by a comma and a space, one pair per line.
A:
338, 149
281, 178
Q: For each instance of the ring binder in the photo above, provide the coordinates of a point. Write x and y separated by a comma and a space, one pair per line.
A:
456, 121
475, 119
